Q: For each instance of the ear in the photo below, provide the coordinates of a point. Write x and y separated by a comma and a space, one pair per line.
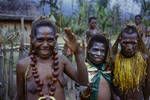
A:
119, 39
88, 51
33, 40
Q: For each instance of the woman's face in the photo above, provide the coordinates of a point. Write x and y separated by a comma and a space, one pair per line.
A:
97, 53
44, 41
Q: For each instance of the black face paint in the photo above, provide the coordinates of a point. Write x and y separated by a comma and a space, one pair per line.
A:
129, 44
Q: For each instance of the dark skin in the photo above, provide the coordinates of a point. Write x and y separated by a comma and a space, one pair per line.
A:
97, 53
43, 42
129, 46
92, 24
92, 30
140, 27
97, 56
138, 20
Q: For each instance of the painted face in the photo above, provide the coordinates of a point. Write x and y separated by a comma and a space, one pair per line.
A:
93, 24
129, 44
97, 53
44, 41
138, 20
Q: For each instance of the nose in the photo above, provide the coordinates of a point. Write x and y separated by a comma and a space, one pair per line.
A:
129, 47
45, 44
98, 53
94, 24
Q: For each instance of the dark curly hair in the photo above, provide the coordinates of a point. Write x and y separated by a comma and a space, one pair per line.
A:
129, 30
90, 18
100, 39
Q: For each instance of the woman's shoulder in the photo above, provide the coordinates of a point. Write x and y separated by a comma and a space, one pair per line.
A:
22, 64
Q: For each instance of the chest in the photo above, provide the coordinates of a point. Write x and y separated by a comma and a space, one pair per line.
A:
92, 32
45, 72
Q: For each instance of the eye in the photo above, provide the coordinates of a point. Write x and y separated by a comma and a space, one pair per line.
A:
102, 50
39, 39
95, 49
134, 42
93, 22
50, 39
125, 42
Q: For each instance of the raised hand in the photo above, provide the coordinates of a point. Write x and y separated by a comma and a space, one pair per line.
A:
70, 39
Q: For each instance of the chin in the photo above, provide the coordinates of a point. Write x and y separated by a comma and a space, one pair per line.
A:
98, 62
45, 53
45, 57
129, 55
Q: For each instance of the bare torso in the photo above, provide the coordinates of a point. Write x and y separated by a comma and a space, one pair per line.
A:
91, 32
45, 73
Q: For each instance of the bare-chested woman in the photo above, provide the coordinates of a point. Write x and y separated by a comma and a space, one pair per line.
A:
40, 75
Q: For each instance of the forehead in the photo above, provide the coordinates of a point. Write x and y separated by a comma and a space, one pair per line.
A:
98, 45
42, 30
93, 20
138, 17
129, 36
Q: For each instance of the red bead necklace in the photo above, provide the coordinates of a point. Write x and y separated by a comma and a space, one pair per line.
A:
55, 73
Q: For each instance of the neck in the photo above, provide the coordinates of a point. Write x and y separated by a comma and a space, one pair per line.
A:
44, 60
96, 65
138, 23
92, 28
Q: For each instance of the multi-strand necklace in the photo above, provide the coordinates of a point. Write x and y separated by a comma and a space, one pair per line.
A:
52, 82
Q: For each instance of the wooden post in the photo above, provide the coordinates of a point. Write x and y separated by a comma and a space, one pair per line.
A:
10, 73
3, 79
21, 39
1, 75
5, 71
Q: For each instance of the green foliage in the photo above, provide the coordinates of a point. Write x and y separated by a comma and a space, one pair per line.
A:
146, 22
106, 18
77, 22
52, 3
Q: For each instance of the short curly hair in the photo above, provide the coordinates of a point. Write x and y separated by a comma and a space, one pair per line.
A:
129, 30
90, 18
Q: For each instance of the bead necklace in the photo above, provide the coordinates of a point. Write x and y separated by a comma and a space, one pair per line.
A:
55, 73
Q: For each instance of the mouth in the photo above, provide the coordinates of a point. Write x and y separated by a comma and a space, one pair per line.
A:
129, 53
98, 58
45, 51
